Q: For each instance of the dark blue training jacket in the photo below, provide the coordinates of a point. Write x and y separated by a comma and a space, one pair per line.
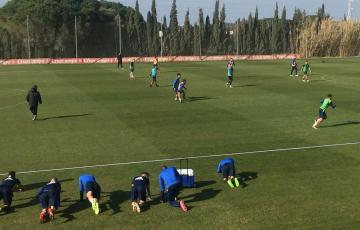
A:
169, 177
224, 162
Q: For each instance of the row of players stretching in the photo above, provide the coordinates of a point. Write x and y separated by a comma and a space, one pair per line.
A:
169, 182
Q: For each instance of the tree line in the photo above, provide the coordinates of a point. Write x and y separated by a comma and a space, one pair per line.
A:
48, 28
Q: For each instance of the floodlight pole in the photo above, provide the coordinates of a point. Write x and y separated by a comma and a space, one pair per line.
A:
28, 36
76, 39
199, 38
237, 37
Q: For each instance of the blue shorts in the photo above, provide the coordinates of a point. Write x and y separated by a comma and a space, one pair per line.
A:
154, 78
322, 114
94, 188
6, 195
228, 170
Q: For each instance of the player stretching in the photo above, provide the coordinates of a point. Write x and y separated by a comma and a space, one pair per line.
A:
170, 184
49, 196
294, 68
132, 69
230, 72
181, 91
326, 103
227, 168
92, 189
153, 75
306, 69
140, 185
176, 83
6, 190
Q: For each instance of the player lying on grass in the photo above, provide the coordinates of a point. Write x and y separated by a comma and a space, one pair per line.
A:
92, 190
230, 72
153, 75
294, 68
49, 196
170, 186
132, 69
306, 69
180, 93
326, 103
6, 190
227, 168
140, 187
34, 99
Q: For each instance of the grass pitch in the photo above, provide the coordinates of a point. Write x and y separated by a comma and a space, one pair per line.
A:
93, 114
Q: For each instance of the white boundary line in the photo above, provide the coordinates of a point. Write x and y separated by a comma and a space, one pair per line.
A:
191, 157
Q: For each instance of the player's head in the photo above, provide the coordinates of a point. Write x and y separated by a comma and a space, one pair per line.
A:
54, 180
133, 60
163, 167
329, 95
306, 61
12, 174
184, 80
35, 87
145, 174
178, 75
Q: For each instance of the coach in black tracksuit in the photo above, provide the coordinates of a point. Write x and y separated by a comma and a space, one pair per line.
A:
34, 98
120, 61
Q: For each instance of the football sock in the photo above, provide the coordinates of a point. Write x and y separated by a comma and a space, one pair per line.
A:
237, 184
230, 184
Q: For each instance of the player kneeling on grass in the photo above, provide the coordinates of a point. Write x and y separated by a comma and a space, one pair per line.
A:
227, 168
326, 103
306, 69
140, 185
180, 93
49, 196
92, 189
6, 190
153, 75
170, 186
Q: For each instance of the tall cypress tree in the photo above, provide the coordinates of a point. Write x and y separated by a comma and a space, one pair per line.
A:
224, 37
155, 29
275, 36
149, 34
201, 33
187, 34
174, 30
207, 33
215, 35
284, 32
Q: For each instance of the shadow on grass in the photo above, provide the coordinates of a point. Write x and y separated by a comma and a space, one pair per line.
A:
205, 194
341, 124
74, 207
246, 176
116, 198
192, 99
66, 116
204, 183
248, 85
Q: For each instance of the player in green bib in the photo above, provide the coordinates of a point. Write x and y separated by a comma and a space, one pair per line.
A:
306, 69
326, 103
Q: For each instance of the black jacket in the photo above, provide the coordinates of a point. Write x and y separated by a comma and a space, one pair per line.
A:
33, 97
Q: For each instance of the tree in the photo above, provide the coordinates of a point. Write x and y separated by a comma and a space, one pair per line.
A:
174, 30
215, 35
155, 29
276, 32
187, 34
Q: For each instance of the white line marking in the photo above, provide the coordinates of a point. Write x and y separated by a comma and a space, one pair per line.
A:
191, 157
8, 106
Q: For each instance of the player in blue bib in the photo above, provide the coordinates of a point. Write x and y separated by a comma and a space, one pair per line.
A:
153, 75
92, 189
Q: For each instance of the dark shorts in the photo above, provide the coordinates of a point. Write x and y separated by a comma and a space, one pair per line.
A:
305, 72
6, 195
47, 199
180, 91
228, 170
322, 114
94, 188
138, 192
230, 78
173, 191
132, 70
153, 78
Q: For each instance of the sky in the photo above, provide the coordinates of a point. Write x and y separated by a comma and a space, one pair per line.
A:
241, 8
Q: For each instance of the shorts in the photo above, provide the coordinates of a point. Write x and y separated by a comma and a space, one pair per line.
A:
322, 114
132, 70
47, 199
6, 195
305, 72
94, 188
153, 78
228, 170
230, 78
180, 91
138, 192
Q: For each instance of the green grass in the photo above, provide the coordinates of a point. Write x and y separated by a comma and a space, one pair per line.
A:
93, 114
